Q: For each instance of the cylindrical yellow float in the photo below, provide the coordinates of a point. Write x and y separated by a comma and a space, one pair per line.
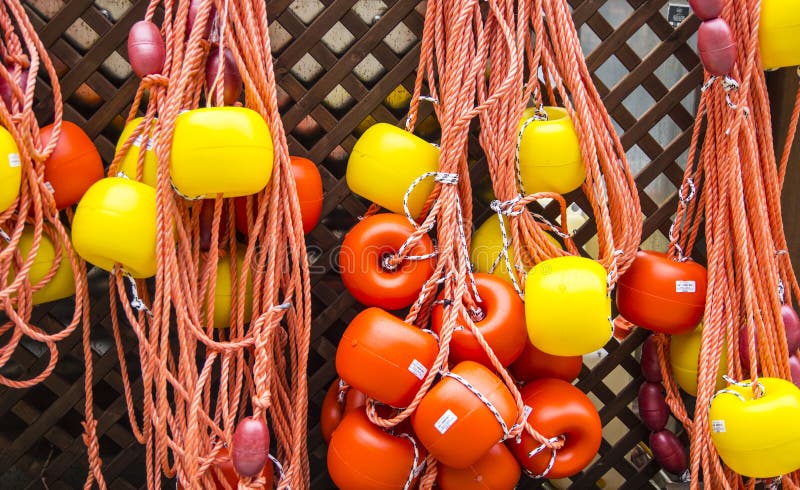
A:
130, 160
10, 170
549, 153
684, 357
62, 284
115, 222
385, 161
223, 292
220, 150
567, 308
778, 33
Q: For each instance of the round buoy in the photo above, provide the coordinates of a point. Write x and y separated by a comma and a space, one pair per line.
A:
684, 357
496, 470
62, 284
334, 409
73, 166
535, 364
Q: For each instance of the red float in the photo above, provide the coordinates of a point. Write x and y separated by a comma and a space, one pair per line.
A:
653, 408
361, 455
669, 452
502, 325
250, 446
73, 166
559, 409
535, 364
651, 369
207, 223
231, 79
496, 470
706, 9
333, 410
229, 474
662, 295
716, 46
364, 268
454, 424
6, 93
384, 357
146, 50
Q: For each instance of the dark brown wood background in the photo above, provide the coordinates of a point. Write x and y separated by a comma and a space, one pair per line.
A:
341, 66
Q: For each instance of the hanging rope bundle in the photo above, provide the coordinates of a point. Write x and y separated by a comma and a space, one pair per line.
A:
526, 167
223, 339
732, 185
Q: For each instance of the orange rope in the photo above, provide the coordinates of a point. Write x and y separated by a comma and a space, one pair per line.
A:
258, 365
749, 270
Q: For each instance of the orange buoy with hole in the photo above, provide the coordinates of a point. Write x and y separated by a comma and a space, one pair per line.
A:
661, 294
384, 357
567, 307
496, 470
455, 426
130, 161
549, 153
384, 163
10, 170
535, 364
502, 325
364, 266
115, 222
73, 166
361, 455
223, 292
62, 284
337, 403
559, 409
220, 150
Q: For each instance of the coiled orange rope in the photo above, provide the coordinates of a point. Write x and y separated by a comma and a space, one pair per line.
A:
199, 381
750, 275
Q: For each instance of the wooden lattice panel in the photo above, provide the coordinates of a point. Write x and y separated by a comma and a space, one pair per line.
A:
343, 65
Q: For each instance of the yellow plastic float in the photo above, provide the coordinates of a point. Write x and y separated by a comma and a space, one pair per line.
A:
130, 160
385, 161
684, 357
115, 222
62, 284
549, 153
567, 307
10, 170
778, 33
220, 150
223, 297
487, 243
758, 437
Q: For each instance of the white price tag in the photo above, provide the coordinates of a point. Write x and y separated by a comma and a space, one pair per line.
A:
418, 369
445, 421
13, 160
717, 426
685, 287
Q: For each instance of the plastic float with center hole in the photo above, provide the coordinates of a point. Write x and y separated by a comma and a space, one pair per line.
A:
130, 161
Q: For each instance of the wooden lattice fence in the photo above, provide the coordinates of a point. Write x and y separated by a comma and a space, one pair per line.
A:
341, 66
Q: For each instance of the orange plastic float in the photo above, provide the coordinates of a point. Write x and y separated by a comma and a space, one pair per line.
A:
365, 265
559, 409
535, 364
384, 163
361, 455
130, 161
454, 424
661, 294
384, 357
309, 191
550, 153
567, 307
496, 470
220, 150
73, 166
115, 223
62, 284
502, 326
334, 409
10, 170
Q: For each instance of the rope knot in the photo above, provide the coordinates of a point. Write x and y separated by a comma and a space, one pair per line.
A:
155, 80
17, 59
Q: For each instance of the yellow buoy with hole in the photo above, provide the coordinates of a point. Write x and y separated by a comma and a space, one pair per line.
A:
220, 150
487, 244
385, 161
549, 153
223, 293
684, 357
779, 29
10, 170
62, 284
129, 163
758, 437
567, 306
115, 222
